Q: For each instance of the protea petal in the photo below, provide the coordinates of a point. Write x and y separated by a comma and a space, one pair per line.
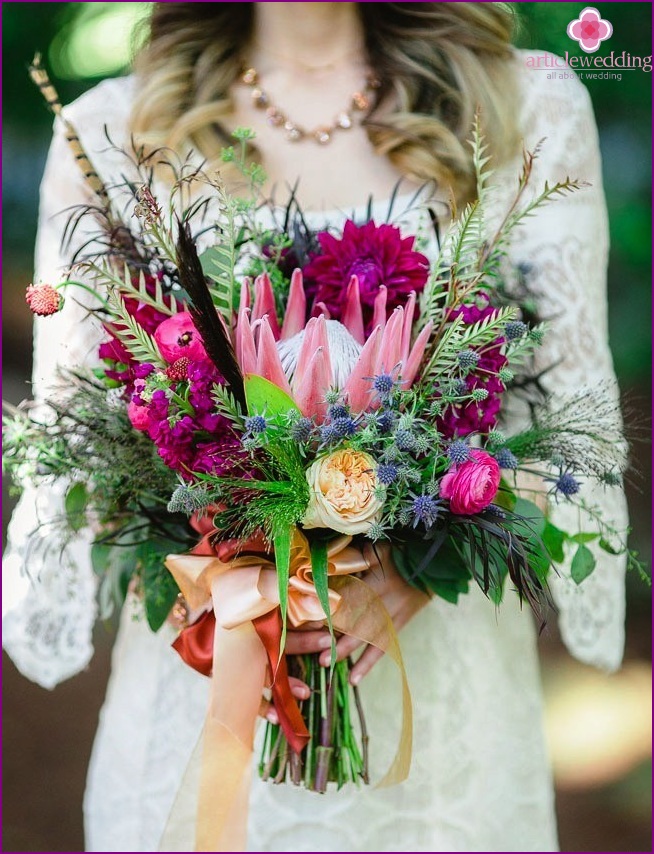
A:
320, 310
409, 311
315, 336
245, 293
343, 353
379, 308
391, 343
409, 370
358, 385
246, 352
296, 308
310, 393
269, 364
264, 303
352, 316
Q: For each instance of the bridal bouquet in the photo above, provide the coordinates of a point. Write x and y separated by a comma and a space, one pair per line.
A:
280, 410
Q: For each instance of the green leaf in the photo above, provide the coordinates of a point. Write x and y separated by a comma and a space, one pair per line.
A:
100, 556
533, 514
583, 563
160, 588
582, 538
319, 568
282, 544
606, 546
446, 575
265, 398
553, 538
75, 504
505, 497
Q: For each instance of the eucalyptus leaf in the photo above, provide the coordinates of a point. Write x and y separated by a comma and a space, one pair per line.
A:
583, 563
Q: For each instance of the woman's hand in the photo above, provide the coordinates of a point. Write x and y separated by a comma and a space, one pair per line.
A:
400, 599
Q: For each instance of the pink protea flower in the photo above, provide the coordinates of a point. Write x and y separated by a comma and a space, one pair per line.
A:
378, 256
43, 300
178, 338
471, 486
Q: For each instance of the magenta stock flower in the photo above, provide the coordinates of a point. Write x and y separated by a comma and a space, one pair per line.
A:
471, 486
477, 417
377, 255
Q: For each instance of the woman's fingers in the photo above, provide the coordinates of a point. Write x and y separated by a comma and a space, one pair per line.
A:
345, 646
371, 656
299, 689
300, 642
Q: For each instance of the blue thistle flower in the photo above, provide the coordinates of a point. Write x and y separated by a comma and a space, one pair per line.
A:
337, 410
256, 424
327, 434
536, 335
566, 484
515, 329
302, 429
383, 384
459, 388
612, 478
506, 459
425, 509
467, 359
344, 427
479, 394
387, 473
405, 440
385, 421
458, 452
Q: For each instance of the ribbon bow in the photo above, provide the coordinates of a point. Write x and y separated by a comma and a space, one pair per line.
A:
236, 641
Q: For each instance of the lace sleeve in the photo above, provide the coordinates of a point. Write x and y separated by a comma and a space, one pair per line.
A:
48, 584
565, 248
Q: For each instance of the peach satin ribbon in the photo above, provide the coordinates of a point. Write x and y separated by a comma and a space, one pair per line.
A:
246, 638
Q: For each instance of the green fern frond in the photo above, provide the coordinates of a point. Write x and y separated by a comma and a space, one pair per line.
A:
227, 405
136, 340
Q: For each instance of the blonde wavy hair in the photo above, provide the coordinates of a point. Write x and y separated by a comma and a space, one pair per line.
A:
438, 64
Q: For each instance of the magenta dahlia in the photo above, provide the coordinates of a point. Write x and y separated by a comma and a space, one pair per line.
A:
377, 255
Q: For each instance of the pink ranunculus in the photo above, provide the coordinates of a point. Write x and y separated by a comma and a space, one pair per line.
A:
138, 415
471, 486
177, 338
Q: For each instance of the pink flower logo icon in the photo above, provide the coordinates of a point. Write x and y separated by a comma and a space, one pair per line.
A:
590, 29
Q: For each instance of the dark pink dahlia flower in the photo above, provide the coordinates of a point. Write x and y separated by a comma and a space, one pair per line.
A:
377, 255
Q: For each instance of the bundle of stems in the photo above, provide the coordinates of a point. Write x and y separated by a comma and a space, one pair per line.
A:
334, 754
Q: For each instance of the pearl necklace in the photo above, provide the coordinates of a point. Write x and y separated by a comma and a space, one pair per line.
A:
294, 132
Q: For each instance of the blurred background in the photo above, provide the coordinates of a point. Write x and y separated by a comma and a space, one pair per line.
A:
598, 726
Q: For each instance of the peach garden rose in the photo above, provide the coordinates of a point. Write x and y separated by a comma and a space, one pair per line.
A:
344, 494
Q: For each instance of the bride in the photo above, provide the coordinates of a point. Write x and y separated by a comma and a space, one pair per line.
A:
299, 75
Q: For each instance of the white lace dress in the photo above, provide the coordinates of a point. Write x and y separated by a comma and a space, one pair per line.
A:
480, 779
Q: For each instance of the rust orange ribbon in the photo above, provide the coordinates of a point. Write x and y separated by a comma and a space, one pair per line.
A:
241, 638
